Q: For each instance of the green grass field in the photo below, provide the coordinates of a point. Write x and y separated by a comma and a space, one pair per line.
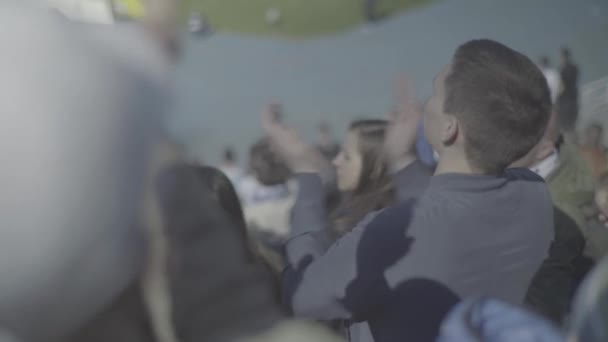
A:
300, 18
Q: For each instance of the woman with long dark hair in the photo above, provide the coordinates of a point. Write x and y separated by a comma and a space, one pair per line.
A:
363, 176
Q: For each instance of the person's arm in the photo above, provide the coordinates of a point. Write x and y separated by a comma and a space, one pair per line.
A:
325, 281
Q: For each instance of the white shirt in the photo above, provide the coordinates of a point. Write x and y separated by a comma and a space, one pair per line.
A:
234, 173
547, 166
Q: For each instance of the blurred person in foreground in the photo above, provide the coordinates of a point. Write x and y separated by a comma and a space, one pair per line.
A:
594, 150
219, 292
478, 229
81, 108
552, 76
567, 101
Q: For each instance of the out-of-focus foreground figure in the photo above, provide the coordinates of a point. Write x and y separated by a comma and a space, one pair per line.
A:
81, 108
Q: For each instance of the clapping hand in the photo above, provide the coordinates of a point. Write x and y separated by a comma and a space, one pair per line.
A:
403, 128
298, 154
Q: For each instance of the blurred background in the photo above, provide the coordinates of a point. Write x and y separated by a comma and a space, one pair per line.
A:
336, 60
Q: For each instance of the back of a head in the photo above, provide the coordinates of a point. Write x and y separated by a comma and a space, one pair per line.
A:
501, 100
212, 278
267, 166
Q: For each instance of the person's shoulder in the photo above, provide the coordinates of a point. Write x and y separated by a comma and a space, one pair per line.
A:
396, 216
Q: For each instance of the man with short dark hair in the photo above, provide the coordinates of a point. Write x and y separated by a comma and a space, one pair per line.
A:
479, 229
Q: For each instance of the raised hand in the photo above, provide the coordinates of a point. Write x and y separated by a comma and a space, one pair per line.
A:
299, 155
401, 134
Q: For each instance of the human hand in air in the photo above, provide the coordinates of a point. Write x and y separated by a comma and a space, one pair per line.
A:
403, 127
300, 156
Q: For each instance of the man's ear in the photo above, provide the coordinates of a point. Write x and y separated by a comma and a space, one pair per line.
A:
450, 129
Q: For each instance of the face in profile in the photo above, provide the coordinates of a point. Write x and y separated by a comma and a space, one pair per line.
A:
349, 163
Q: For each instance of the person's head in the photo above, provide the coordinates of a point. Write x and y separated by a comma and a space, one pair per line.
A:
490, 107
361, 164
565, 55
544, 62
594, 135
362, 173
601, 194
266, 165
229, 157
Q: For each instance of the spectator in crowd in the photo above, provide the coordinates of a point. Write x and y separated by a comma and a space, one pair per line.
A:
601, 198
268, 195
477, 229
593, 149
571, 186
552, 76
567, 101
218, 292
568, 177
326, 143
555, 283
230, 166
363, 175
597, 221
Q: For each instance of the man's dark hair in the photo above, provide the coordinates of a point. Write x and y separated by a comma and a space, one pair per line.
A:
501, 100
267, 166
544, 61
229, 155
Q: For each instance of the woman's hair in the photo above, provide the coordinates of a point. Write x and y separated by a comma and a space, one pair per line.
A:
224, 193
375, 189
211, 273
